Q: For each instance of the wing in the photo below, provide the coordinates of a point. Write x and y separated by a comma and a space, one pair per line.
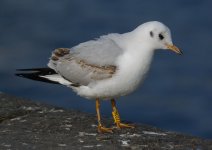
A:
87, 62
102, 51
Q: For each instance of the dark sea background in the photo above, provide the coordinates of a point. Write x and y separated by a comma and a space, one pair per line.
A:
177, 94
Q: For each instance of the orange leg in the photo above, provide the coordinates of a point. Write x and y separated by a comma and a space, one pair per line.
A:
116, 117
101, 129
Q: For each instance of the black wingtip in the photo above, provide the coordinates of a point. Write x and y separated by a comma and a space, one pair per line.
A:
36, 73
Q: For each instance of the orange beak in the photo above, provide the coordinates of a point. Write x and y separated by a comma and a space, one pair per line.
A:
174, 48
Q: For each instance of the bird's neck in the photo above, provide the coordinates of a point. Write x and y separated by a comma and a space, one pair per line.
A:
141, 57
138, 57
138, 51
132, 42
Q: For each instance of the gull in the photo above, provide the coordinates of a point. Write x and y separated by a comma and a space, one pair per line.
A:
106, 68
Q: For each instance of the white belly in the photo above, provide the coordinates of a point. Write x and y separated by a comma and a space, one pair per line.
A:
131, 72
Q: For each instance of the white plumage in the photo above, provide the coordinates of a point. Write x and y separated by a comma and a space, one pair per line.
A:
129, 53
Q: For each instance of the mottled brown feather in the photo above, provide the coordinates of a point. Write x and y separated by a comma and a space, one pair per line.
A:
109, 70
60, 52
98, 72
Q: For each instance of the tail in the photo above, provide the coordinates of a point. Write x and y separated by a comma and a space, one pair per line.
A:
38, 74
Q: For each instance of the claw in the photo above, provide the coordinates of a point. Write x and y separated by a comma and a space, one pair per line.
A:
102, 129
123, 125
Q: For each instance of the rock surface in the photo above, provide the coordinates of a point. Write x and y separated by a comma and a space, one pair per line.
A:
29, 125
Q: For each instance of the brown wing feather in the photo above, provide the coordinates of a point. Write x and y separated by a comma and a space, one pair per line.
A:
80, 71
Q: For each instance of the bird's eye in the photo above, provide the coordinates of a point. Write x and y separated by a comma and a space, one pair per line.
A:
151, 33
161, 37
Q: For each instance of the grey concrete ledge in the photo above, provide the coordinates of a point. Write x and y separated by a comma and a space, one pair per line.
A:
29, 125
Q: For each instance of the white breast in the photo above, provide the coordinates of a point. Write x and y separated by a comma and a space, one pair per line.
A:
133, 68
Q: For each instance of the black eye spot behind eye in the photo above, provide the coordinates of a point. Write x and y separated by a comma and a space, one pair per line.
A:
161, 37
151, 33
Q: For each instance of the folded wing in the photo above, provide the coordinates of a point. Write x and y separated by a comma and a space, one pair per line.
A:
88, 62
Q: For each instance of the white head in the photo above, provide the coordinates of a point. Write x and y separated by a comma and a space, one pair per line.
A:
157, 34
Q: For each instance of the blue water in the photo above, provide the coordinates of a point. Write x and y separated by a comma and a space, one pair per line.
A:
177, 94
